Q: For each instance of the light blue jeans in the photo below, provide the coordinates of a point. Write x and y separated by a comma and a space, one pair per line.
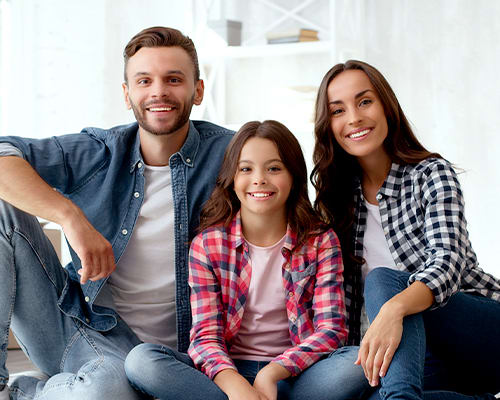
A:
82, 363
450, 353
168, 374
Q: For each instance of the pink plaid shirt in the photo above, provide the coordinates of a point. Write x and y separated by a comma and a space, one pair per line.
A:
219, 277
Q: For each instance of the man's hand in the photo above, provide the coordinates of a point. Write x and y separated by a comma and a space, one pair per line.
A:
266, 381
94, 251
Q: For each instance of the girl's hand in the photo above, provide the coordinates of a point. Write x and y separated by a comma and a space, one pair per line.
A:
380, 343
266, 381
236, 387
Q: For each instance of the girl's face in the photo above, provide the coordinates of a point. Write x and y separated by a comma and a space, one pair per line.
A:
357, 115
262, 182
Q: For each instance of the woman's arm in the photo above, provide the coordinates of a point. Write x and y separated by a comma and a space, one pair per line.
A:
444, 239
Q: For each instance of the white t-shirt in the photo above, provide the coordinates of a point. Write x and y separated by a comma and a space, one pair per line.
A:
143, 284
375, 251
375, 247
263, 332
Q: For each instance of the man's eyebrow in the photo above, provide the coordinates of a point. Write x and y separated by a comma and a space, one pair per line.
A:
357, 96
170, 72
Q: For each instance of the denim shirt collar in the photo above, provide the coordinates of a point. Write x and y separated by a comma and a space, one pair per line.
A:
187, 152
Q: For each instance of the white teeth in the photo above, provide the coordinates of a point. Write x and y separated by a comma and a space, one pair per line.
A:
160, 109
359, 134
260, 195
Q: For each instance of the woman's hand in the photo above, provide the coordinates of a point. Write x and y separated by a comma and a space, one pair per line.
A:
384, 334
381, 342
266, 381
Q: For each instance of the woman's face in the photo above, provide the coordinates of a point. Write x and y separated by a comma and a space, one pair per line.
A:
357, 115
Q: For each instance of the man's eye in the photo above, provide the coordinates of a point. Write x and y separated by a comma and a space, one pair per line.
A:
174, 80
143, 81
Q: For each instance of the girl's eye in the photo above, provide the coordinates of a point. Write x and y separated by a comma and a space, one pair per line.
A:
274, 169
244, 169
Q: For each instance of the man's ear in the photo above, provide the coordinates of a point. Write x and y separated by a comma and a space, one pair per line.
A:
125, 95
198, 92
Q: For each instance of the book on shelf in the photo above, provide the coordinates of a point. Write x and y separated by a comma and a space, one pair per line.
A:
292, 39
292, 36
302, 32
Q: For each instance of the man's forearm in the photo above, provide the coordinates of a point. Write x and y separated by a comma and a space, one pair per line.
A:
21, 186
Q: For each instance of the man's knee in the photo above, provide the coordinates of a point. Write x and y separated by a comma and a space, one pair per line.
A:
141, 359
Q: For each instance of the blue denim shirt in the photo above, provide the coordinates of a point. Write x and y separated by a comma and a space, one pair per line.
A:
102, 172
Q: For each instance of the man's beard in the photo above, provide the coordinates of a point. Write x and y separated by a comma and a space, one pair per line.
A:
177, 124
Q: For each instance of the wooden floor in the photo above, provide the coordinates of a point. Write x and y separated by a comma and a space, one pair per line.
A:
18, 362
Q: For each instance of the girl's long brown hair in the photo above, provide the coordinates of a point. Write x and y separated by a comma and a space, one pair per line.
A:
223, 205
335, 173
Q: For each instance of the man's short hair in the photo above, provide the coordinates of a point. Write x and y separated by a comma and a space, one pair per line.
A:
160, 36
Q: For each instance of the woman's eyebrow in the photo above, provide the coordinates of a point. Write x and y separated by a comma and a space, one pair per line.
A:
358, 95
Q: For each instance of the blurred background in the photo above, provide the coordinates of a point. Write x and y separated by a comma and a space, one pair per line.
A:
61, 69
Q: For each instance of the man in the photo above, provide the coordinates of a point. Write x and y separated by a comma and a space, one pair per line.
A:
130, 195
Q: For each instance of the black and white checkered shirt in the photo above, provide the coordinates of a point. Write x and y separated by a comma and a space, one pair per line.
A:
422, 214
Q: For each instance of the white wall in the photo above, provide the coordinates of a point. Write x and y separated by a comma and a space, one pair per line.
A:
441, 57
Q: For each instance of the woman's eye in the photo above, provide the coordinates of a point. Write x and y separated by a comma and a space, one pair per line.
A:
365, 102
337, 111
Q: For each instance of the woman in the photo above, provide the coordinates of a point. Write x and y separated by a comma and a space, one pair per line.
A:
398, 211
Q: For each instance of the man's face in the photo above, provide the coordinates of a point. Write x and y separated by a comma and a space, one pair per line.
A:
161, 89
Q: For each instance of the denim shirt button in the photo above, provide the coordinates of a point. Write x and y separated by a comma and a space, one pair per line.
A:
139, 165
188, 160
87, 299
87, 320
124, 231
136, 194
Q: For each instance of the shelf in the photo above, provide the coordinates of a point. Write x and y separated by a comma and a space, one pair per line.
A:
273, 50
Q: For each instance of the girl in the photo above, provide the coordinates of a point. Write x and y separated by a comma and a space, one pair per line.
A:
399, 213
266, 288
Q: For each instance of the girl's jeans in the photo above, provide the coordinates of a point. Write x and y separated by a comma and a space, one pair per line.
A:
167, 374
454, 348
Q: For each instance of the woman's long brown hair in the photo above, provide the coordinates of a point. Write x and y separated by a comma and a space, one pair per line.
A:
335, 173
223, 204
